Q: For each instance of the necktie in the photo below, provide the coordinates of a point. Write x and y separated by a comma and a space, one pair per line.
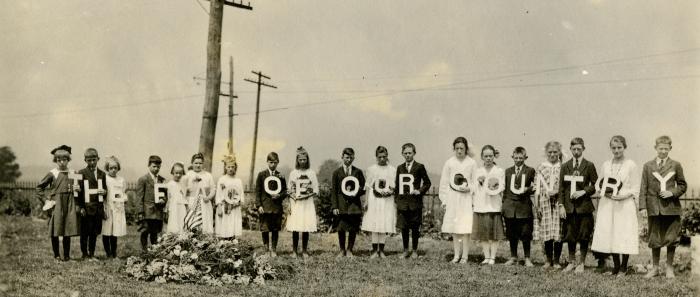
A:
347, 171
661, 163
576, 165
517, 171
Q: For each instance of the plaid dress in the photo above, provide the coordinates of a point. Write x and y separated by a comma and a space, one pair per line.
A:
549, 225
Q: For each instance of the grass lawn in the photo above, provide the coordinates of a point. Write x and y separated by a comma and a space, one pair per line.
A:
28, 269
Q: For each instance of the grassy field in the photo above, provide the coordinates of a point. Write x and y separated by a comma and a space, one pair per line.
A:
28, 269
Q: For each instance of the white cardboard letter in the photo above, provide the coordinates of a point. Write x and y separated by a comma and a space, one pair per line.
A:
344, 184
522, 185
607, 185
272, 179
89, 191
573, 180
161, 192
405, 180
663, 180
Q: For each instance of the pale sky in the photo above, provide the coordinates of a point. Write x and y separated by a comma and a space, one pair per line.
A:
118, 76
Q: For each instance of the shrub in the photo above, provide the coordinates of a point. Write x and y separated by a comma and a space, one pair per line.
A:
201, 259
690, 220
18, 202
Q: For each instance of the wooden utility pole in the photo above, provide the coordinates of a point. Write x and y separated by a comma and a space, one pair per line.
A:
213, 88
257, 116
231, 96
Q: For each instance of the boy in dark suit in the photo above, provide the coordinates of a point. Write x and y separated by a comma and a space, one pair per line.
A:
270, 191
412, 182
662, 185
347, 188
578, 177
151, 214
94, 188
517, 205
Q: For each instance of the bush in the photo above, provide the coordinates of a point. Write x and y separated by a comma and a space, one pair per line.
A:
324, 209
201, 259
690, 220
18, 202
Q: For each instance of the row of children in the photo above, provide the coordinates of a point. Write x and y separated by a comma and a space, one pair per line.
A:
90, 202
551, 203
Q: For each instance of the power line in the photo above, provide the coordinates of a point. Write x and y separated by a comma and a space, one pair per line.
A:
513, 86
403, 76
113, 106
202, 6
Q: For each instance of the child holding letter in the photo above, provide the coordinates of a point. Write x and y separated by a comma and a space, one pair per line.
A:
456, 192
488, 224
59, 194
151, 211
270, 191
229, 197
380, 217
577, 184
517, 205
93, 189
663, 183
412, 182
347, 188
302, 187
616, 227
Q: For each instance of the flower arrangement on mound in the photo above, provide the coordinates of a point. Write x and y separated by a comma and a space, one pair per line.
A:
201, 259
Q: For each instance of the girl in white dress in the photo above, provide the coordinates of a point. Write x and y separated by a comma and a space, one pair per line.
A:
488, 200
549, 210
456, 191
201, 186
380, 217
302, 187
177, 202
229, 197
616, 218
115, 224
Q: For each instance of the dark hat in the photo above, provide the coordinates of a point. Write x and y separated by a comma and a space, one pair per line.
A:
61, 150
154, 159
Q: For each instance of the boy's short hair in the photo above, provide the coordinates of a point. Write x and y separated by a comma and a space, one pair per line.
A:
577, 140
348, 151
272, 156
177, 164
408, 145
153, 159
112, 160
520, 150
380, 149
663, 139
91, 153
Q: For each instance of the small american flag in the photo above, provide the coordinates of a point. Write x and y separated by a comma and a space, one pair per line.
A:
193, 218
